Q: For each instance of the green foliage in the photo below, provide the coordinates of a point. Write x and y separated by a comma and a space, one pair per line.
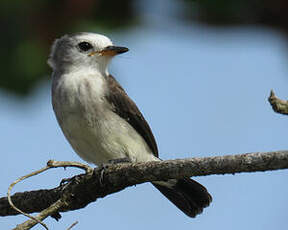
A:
29, 28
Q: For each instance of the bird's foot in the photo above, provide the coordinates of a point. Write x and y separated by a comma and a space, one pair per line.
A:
105, 166
71, 179
77, 178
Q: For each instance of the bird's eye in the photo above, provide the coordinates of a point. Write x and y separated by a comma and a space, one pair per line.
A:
85, 46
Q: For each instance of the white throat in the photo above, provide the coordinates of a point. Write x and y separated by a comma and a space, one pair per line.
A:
98, 67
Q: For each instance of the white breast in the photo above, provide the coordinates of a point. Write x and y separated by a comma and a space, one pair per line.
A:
94, 131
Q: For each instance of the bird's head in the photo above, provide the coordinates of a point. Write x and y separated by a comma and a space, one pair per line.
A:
83, 50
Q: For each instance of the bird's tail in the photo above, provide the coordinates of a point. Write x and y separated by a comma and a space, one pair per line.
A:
188, 195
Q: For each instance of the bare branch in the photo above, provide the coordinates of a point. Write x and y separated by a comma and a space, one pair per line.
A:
84, 189
74, 224
19, 210
41, 216
278, 105
52, 209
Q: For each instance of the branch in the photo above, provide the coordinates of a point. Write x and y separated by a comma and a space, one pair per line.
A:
278, 105
84, 189
52, 210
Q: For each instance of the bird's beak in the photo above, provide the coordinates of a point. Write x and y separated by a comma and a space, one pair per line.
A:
110, 51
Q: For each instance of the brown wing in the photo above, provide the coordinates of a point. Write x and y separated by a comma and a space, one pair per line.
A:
128, 110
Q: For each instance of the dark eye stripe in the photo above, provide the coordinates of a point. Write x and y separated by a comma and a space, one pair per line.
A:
85, 46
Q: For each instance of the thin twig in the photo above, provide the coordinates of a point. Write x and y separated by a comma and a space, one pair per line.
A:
17, 181
54, 207
28, 224
57, 164
73, 225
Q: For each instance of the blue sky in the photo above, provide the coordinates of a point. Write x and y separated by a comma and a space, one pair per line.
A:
204, 93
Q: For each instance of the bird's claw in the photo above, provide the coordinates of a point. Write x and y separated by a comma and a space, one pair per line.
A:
105, 166
89, 172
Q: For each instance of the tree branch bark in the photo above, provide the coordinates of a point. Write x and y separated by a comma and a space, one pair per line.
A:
84, 189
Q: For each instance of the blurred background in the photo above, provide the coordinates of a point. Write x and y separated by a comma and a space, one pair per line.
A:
200, 71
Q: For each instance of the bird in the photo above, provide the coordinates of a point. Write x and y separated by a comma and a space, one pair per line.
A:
100, 121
